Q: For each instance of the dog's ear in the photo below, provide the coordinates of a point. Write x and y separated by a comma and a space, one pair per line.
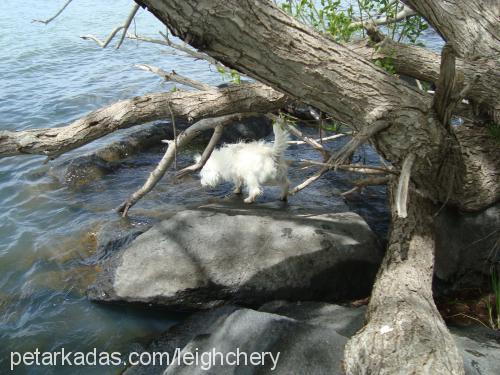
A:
197, 158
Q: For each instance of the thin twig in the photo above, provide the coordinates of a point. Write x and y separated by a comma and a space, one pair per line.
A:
366, 169
167, 42
174, 77
359, 185
47, 21
175, 135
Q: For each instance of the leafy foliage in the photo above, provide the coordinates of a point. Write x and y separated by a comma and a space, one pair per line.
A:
340, 19
232, 76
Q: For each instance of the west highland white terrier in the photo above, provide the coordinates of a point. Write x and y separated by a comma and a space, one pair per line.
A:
252, 165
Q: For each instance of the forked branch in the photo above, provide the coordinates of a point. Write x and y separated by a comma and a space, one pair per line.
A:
124, 27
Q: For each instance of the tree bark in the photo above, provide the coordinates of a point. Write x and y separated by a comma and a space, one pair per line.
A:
471, 26
405, 333
185, 105
421, 63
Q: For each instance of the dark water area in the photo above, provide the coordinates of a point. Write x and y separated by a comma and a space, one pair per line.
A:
49, 231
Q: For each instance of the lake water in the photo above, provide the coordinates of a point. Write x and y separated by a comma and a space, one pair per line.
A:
49, 77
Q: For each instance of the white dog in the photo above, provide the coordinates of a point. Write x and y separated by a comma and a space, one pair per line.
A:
253, 164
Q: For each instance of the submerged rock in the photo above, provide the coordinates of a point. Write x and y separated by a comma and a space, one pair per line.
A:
309, 336
212, 256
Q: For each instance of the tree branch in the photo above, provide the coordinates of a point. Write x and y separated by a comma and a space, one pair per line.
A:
47, 21
359, 185
206, 154
124, 27
174, 77
186, 105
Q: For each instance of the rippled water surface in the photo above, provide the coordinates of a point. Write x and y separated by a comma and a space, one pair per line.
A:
48, 230
49, 76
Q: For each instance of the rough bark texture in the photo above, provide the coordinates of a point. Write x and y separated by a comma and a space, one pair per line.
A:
421, 63
186, 105
405, 333
471, 26
480, 165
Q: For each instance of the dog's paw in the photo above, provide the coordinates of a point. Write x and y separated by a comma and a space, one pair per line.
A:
237, 191
249, 200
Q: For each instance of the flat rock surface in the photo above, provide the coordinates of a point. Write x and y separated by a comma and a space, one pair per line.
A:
210, 256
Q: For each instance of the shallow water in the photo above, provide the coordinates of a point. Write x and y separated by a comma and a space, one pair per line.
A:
48, 231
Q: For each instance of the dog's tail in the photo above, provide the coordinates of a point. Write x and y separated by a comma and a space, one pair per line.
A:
281, 138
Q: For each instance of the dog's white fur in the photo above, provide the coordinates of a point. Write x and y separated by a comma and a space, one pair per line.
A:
252, 165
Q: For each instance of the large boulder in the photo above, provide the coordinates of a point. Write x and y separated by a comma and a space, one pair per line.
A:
210, 256
467, 245
309, 337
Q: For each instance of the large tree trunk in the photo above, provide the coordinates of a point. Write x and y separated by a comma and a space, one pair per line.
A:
405, 333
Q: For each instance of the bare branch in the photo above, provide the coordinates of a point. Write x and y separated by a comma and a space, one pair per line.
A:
184, 138
174, 77
47, 21
124, 27
341, 156
365, 169
403, 186
206, 154
179, 47
324, 139
310, 141
359, 185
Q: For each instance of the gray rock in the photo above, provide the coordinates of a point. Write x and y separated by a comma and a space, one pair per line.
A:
207, 257
466, 247
480, 349
298, 348
310, 337
178, 336
344, 320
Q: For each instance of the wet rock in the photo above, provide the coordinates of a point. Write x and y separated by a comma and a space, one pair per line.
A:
466, 247
210, 256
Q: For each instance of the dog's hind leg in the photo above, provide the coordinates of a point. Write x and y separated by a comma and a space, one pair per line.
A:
237, 186
254, 190
285, 185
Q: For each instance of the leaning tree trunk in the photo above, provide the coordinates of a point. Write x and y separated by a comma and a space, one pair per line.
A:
405, 333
